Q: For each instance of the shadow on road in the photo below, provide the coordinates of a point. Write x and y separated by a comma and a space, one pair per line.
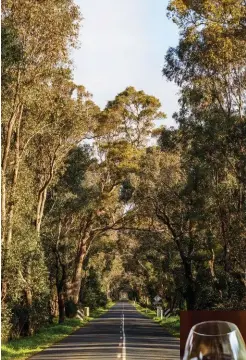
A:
102, 339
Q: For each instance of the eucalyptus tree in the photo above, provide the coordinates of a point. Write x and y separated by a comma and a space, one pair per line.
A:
123, 128
37, 38
209, 66
158, 198
102, 271
74, 228
28, 27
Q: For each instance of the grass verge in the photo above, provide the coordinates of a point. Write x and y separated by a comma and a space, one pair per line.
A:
100, 311
25, 347
171, 324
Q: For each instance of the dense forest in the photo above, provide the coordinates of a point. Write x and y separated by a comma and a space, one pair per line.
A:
96, 201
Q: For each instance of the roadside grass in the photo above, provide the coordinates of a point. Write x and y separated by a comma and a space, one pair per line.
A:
23, 348
171, 324
100, 311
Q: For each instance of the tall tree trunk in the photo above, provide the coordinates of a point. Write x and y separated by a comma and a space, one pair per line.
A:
211, 264
53, 301
60, 283
74, 288
224, 236
14, 183
42, 194
40, 208
10, 128
9, 213
108, 292
61, 306
17, 113
29, 300
29, 296
190, 294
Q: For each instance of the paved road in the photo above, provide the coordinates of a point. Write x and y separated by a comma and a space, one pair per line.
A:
121, 333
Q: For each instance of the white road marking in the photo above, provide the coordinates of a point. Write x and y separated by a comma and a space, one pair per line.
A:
124, 336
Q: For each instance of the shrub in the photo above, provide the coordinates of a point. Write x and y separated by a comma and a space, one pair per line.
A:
70, 309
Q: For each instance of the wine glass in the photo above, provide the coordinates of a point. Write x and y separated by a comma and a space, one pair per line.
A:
215, 340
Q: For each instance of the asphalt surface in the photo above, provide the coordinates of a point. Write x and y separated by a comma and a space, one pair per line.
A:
121, 333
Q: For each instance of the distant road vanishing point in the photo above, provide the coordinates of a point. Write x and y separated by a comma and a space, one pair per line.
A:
121, 333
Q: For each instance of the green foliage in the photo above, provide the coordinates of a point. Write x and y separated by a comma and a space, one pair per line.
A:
6, 325
25, 347
46, 336
171, 324
35, 132
130, 117
94, 297
83, 223
209, 66
70, 309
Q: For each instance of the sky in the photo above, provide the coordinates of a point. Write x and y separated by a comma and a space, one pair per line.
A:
123, 43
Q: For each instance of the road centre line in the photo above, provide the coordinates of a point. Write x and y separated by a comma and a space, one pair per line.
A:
124, 337
124, 341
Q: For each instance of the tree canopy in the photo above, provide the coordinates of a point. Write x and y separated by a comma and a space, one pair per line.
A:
83, 221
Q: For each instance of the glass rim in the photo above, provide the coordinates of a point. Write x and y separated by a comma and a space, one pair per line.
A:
235, 328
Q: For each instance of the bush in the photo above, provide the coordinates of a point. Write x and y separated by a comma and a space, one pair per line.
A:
70, 309
6, 326
23, 315
102, 300
94, 298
